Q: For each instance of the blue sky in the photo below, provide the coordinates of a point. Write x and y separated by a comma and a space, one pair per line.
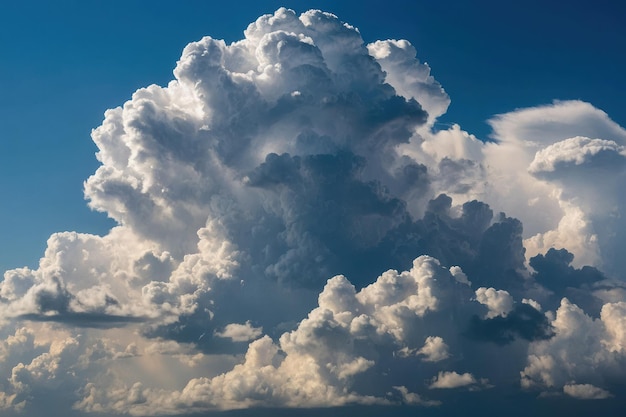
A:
311, 216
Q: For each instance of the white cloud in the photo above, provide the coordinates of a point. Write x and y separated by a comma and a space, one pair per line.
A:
447, 380
575, 151
459, 275
582, 350
575, 207
574, 230
586, 392
409, 77
411, 398
499, 302
544, 125
578, 201
434, 349
317, 363
240, 332
532, 303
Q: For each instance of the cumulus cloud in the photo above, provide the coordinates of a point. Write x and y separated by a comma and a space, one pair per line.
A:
568, 164
577, 151
292, 232
434, 349
583, 351
318, 363
499, 302
524, 170
586, 392
452, 380
459, 275
411, 398
240, 332
524, 322
409, 77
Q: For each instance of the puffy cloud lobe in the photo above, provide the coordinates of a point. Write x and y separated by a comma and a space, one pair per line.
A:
577, 151
586, 392
409, 77
534, 304
584, 354
589, 173
574, 230
434, 349
47, 365
459, 275
240, 332
499, 302
82, 278
452, 380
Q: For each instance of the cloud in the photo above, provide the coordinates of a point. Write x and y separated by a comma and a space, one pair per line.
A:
583, 351
598, 153
523, 321
397, 59
504, 173
317, 363
240, 332
292, 232
499, 302
553, 271
555, 122
410, 398
568, 164
447, 380
586, 392
459, 275
434, 349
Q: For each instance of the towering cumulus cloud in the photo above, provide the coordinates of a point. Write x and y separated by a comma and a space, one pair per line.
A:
293, 233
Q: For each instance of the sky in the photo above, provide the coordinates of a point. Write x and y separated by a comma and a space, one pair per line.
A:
379, 207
